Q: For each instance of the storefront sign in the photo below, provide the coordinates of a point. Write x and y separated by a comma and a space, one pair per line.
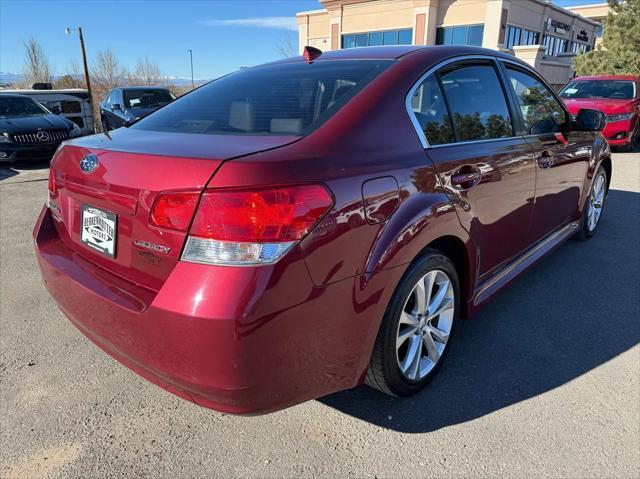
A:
557, 26
582, 36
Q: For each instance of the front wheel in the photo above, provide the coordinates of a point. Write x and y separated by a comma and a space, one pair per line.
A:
593, 208
417, 327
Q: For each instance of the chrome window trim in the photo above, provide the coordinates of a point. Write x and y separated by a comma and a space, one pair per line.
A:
430, 71
472, 142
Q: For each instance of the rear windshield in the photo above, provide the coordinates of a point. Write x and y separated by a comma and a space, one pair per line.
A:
283, 99
147, 98
612, 89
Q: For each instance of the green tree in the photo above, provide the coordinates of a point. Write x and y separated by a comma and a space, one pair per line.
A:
619, 52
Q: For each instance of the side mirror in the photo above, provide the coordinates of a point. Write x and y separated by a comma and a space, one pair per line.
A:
56, 110
590, 120
116, 107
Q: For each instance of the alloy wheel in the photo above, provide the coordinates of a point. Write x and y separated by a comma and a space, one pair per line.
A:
425, 325
596, 201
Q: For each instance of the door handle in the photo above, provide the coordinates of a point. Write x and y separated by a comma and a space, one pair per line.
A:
545, 160
466, 177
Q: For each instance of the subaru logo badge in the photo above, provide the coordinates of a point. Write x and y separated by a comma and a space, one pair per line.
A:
89, 163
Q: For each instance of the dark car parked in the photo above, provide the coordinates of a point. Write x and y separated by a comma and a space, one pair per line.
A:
125, 105
301, 227
29, 131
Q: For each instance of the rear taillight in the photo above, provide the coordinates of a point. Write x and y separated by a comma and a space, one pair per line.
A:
253, 226
174, 210
52, 182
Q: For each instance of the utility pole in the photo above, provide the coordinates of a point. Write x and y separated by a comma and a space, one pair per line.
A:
84, 62
84, 59
193, 85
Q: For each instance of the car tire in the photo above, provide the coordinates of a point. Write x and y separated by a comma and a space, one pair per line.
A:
409, 327
588, 227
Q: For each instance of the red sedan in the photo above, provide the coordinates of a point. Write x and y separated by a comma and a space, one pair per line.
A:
305, 226
617, 96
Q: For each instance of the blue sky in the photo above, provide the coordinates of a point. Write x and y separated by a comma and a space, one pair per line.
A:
223, 34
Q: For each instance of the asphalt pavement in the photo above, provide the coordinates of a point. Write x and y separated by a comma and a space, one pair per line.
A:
545, 382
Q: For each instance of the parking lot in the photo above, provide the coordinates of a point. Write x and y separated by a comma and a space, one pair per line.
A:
544, 382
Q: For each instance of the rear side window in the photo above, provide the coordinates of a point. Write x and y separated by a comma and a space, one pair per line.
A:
541, 112
68, 106
147, 98
477, 103
430, 110
283, 99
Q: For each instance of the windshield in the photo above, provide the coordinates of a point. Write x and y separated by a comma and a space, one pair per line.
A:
281, 99
147, 98
11, 106
612, 89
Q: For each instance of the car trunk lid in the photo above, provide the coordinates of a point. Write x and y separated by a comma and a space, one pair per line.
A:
112, 202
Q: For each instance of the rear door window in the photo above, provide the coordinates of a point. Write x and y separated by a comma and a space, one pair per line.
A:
477, 103
281, 99
541, 112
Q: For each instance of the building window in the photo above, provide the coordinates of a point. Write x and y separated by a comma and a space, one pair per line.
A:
521, 36
373, 39
599, 31
554, 45
461, 35
580, 48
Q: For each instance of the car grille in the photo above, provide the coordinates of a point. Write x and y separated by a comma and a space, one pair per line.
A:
41, 136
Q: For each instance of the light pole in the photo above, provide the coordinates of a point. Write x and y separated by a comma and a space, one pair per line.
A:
86, 67
193, 85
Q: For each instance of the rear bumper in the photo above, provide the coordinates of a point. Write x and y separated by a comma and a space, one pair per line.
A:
240, 340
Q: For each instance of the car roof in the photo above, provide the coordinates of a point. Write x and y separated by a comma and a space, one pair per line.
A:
606, 77
394, 52
13, 95
31, 91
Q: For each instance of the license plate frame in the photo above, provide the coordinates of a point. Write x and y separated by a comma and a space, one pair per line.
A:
99, 230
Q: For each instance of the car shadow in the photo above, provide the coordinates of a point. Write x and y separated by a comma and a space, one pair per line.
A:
10, 170
574, 311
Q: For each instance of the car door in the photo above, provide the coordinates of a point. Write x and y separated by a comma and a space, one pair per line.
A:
467, 121
561, 155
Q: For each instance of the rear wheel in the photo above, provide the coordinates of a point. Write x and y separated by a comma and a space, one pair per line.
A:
593, 208
415, 333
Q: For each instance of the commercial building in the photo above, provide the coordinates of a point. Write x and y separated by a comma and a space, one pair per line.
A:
597, 12
537, 31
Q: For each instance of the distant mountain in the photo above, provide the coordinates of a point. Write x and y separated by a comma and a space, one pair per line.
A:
10, 78
181, 81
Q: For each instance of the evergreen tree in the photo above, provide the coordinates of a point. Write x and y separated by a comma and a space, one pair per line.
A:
619, 52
